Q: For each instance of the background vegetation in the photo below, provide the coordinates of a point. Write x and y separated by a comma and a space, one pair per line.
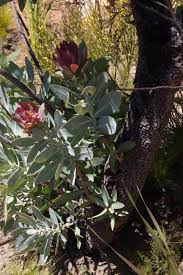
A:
111, 34
5, 21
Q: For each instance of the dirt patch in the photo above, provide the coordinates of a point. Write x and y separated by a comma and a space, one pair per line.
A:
7, 253
56, 12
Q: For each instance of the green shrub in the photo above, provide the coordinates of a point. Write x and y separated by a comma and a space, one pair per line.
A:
60, 136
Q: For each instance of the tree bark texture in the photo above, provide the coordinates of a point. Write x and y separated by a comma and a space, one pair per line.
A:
159, 64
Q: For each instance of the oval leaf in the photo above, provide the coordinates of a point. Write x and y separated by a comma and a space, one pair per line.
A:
109, 104
24, 142
61, 92
77, 124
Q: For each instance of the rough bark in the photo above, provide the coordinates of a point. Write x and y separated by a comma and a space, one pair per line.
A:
159, 64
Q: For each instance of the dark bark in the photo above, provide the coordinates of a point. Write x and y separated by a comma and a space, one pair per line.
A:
159, 64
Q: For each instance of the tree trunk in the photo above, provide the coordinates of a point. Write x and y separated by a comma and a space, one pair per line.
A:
159, 64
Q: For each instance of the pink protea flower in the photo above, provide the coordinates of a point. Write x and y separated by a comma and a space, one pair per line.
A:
69, 57
29, 115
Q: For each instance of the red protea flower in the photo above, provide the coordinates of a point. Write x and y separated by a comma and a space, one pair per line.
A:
29, 115
69, 58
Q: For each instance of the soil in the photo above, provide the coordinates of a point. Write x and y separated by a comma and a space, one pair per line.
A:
7, 253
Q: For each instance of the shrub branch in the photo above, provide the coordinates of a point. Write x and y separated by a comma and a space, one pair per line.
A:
25, 89
20, 23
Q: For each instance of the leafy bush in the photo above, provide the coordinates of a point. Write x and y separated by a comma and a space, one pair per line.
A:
55, 141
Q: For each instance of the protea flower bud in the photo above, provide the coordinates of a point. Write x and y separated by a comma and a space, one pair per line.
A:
69, 58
